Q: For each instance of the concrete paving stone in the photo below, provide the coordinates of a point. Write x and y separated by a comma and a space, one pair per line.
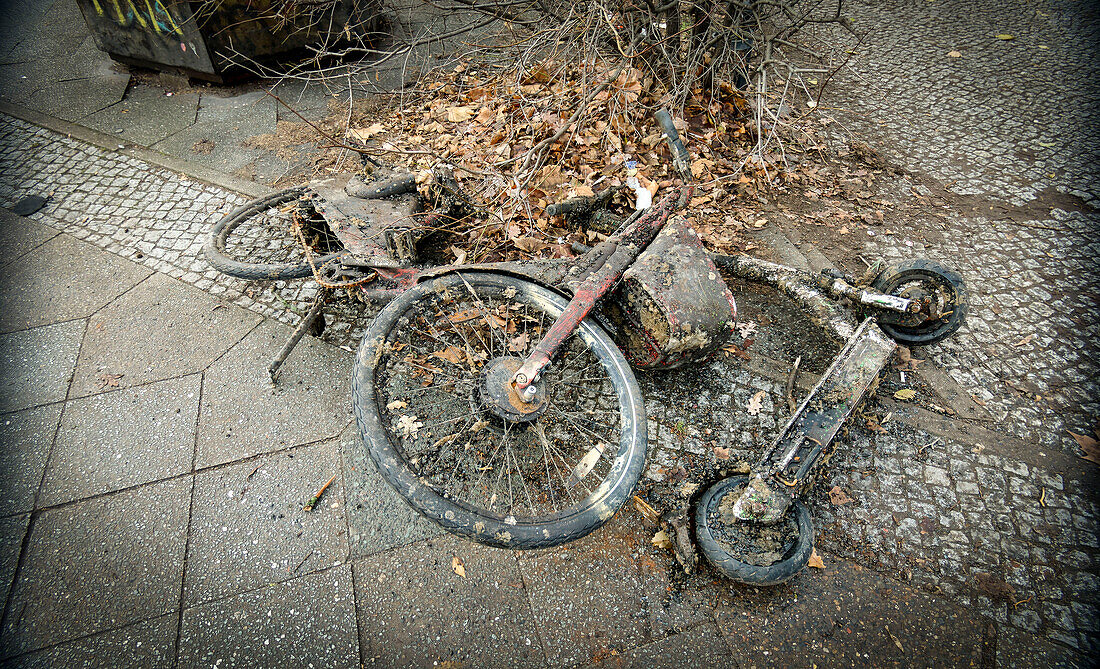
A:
25, 439
160, 329
415, 609
19, 235
149, 643
248, 527
146, 115
244, 414
12, 531
851, 616
117, 440
308, 621
78, 84
226, 122
61, 280
36, 365
701, 647
592, 597
98, 565
30, 29
378, 518
308, 98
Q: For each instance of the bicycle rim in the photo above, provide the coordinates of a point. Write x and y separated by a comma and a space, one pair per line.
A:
427, 396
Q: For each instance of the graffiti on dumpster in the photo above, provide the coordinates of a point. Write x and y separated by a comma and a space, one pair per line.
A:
148, 14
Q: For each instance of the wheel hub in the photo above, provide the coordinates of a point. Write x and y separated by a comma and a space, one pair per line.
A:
930, 299
500, 397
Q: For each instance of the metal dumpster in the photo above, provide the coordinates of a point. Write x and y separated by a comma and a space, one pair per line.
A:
210, 39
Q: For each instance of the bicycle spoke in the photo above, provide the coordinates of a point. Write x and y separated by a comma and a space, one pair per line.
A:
457, 441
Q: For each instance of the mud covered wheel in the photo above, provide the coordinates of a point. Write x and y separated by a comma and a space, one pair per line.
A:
942, 294
258, 241
750, 552
434, 403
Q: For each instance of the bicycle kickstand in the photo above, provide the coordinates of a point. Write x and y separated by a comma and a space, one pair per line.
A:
304, 326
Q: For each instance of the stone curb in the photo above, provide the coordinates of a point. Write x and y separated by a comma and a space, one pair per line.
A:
186, 168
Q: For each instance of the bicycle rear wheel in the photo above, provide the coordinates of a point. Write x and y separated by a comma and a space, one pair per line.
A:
258, 241
431, 397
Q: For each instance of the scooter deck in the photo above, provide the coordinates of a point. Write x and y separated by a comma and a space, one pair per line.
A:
785, 468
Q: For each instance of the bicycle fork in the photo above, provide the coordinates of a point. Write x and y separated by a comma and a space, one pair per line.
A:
621, 251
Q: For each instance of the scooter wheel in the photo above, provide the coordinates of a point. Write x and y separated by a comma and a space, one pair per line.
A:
938, 286
749, 552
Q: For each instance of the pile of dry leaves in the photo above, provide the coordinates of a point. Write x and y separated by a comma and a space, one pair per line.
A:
519, 142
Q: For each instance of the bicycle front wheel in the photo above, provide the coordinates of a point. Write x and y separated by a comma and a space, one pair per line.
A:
258, 240
433, 401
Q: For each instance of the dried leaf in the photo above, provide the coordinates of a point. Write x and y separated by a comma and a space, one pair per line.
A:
463, 316
457, 565
721, 453
396, 404
550, 176
756, 402
662, 540
519, 343
905, 394
486, 114
815, 560
107, 380
530, 244
700, 167
460, 255
1025, 341
452, 354
746, 329
906, 361
409, 425
954, 54
838, 497
1089, 445
893, 638
1006, 37
459, 114
363, 134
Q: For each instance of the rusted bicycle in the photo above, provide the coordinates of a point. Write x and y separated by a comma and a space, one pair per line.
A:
498, 399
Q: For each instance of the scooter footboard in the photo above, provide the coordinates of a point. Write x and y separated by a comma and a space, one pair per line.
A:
785, 468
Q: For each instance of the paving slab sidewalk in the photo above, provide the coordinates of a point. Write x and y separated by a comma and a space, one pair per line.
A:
137, 534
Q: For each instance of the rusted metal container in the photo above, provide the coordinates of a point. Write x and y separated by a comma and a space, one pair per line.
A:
207, 39
672, 307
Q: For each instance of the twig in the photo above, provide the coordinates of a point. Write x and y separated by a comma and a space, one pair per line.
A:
335, 142
317, 498
303, 561
790, 384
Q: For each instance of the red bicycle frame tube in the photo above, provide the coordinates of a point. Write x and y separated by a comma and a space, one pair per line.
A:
629, 245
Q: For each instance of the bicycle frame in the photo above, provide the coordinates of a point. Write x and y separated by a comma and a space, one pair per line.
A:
621, 251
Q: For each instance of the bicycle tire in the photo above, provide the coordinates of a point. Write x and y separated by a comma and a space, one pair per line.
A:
276, 238
720, 556
441, 477
894, 280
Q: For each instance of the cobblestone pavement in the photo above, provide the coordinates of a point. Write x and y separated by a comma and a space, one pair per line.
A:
1014, 121
956, 518
961, 519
